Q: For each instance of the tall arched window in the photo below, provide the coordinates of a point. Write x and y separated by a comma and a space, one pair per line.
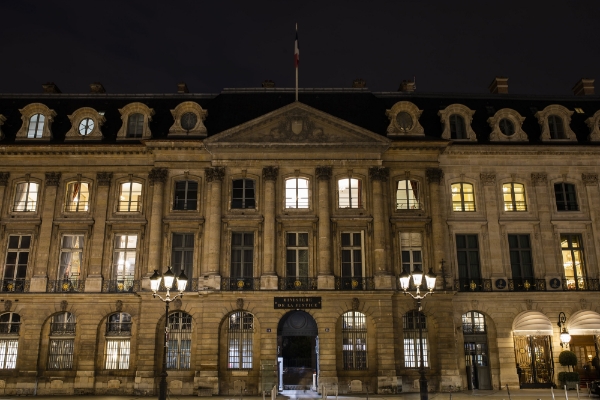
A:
118, 341
36, 126
135, 125
412, 349
180, 340
354, 340
62, 341
473, 322
10, 324
556, 127
457, 127
239, 340
296, 193
408, 195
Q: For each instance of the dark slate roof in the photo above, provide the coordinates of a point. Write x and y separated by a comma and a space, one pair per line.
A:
361, 107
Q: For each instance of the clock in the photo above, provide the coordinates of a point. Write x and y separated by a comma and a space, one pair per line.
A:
188, 121
86, 126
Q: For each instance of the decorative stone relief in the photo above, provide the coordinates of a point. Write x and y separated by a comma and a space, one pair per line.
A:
434, 175
177, 304
189, 120
590, 179
131, 109
239, 304
104, 178
487, 179
539, 178
52, 178
404, 120
29, 111
4, 178
297, 126
85, 125
584, 303
158, 175
7, 305
475, 304
564, 114
214, 174
355, 303
323, 173
379, 174
593, 123
63, 305
529, 304
119, 306
464, 112
514, 118
270, 173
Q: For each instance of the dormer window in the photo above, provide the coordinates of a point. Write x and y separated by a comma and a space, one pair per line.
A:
404, 119
37, 119
457, 127
189, 120
135, 125
36, 126
556, 127
85, 124
136, 118
555, 123
506, 126
457, 119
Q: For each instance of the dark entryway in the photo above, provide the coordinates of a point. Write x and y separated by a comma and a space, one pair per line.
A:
297, 351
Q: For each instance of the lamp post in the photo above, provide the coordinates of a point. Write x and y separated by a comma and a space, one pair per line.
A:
168, 278
417, 277
565, 337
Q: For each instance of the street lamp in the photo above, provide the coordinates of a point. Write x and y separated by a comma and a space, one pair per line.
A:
168, 278
417, 277
565, 337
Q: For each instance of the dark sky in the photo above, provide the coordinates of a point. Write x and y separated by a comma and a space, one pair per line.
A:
134, 46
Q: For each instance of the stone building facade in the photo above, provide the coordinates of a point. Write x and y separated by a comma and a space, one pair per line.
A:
293, 221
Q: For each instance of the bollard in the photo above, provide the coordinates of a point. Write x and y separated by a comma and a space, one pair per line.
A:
552, 391
508, 390
566, 394
367, 385
577, 389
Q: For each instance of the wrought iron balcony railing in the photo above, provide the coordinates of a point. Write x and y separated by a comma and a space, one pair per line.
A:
526, 284
121, 286
65, 286
586, 284
358, 283
297, 283
240, 283
62, 329
473, 285
14, 285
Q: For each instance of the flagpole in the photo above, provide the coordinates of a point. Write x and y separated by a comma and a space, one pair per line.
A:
297, 57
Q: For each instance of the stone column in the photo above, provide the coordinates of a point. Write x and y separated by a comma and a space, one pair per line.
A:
157, 178
593, 196
3, 182
39, 280
325, 278
545, 234
435, 177
381, 269
93, 282
211, 272
494, 237
268, 279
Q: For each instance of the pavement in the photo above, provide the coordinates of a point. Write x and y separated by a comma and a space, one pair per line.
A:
515, 394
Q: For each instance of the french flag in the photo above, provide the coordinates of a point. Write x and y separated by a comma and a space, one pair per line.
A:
296, 49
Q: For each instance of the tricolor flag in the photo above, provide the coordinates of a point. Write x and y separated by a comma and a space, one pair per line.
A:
296, 49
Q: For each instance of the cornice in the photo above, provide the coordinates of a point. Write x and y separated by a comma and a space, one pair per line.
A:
576, 150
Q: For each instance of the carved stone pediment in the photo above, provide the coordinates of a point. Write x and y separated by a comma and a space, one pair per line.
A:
297, 125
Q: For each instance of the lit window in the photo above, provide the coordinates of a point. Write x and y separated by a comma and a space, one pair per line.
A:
407, 195
26, 197
566, 198
62, 341
411, 244
71, 253
296, 193
180, 341
556, 127
182, 256
135, 125
77, 197
36, 126
521, 262
463, 197
354, 340
473, 322
118, 334
239, 339
412, 344
352, 261
130, 198
243, 194
15, 268
10, 324
457, 127
124, 262
514, 197
349, 193
573, 261
186, 195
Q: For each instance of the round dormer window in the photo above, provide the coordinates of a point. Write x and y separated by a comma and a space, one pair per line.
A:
404, 121
86, 126
507, 127
188, 121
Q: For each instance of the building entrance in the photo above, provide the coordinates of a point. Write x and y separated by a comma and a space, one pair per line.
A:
586, 349
297, 351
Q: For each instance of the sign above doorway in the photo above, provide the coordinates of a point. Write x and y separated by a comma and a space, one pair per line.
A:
297, 302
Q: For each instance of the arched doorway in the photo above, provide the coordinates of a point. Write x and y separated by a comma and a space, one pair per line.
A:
476, 350
584, 327
297, 351
532, 334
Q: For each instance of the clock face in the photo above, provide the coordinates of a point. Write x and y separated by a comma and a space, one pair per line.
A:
507, 127
188, 121
86, 126
404, 121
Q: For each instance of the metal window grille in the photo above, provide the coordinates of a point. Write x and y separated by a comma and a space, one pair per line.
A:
242, 255
117, 353
186, 195
36, 126
457, 127
566, 198
118, 324
130, 197
352, 255
179, 341
407, 195
10, 324
60, 354
463, 197
354, 340
467, 254
63, 324
349, 193
296, 193
17, 257
135, 125
239, 339
412, 349
520, 257
556, 127
26, 197
124, 258
77, 197
514, 197
573, 261
243, 194
411, 251
297, 254
8, 353
473, 322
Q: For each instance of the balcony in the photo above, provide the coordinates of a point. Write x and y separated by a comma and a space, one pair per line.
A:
236, 284
526, 284
358, 283
62, 329
473, 285
297, 283
15, 285
65, 286
403, 205
584, 284
121, 286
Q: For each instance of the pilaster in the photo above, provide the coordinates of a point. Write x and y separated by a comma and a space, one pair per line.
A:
93, 282
325, 279
157, 178
379, 176
495, 264
214, 177
435, 178
268, 278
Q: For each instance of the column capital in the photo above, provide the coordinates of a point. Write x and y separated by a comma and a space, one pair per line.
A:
379, 173
323, 173
52, 178
434, 175
214, 174
270, 173
4, 178
488, 179
539, 178
590, 179
104, 178
158, 175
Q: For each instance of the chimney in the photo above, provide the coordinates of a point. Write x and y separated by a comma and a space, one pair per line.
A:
359, 83
499, 85
268, 84
585, 87
50, 87
407, 86
97, 88
182, 88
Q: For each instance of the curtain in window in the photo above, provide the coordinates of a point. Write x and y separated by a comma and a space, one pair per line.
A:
8, 353
21, 197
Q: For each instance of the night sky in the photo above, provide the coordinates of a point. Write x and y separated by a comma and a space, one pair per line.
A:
132, 46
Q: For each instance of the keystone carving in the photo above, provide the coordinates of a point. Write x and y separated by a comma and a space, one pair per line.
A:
63, 305
270, 173
323, 173
119, 306
379, 173
539, 178
214, 174
7, 305
355, 304
104, 178
434, 175
177, 304
487, 179
239, 303
158, 175
52, 178
590, 179
4, 178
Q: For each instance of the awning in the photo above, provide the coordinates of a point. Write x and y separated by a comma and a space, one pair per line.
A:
532, 323
584, 323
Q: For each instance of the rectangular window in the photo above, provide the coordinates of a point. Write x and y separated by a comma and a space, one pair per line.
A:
124, 261
296, 193
8, 353
60, 354
242, 255
521, 262
71, 253
117, 354
130, 197
514, 197
411, 244
26, 197
182, 256
573, 261
349, 193
463, 197
243, 194
186, 195
566, 198
352, 254
15, 268
407, 195
77, 197
297, 254
467, 254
